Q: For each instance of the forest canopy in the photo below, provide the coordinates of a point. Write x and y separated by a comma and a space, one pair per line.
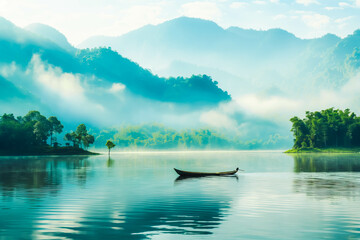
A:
34, 133
157, 136
110, 65
326, 128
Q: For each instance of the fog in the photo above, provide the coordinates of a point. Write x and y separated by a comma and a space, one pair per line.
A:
271, 75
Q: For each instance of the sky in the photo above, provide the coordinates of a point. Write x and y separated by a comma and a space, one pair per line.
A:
80, 19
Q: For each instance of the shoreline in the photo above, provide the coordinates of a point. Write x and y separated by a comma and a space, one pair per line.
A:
324, 150
50, 151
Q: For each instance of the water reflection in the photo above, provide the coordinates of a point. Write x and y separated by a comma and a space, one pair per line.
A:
326, 162
327, 186
327, 176
96, 197
189, 179
177, 215
110, 162
46, 173
139, 197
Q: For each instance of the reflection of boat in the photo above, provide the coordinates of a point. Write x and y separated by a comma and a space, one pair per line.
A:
202, 174
189, 178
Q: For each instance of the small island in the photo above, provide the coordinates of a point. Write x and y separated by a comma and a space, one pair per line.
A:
34, 134
326, 131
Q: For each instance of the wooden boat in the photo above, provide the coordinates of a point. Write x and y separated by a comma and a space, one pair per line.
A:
202, 174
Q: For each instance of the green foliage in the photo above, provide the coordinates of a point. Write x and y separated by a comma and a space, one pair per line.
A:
108, 64
327, 128
156, 136
109, 144
29, 135
80, 136
55, 127
23, 133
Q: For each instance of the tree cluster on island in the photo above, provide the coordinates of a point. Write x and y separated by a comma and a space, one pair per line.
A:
36, 134
326, 128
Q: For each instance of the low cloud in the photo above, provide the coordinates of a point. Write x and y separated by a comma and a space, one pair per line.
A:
218, 119
252, 110
344, 4
62, 92
316, 20
117, 87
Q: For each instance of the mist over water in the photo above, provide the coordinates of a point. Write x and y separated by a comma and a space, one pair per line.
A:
139, 195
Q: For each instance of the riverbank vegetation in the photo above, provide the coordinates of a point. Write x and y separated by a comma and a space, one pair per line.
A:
330, 130
34, 134
157, 136
324, 150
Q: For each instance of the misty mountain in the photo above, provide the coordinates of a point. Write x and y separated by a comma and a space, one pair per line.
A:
51, 34
237, 58
39, 70
18, 46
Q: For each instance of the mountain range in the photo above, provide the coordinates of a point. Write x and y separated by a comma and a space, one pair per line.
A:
38, 67
241, 60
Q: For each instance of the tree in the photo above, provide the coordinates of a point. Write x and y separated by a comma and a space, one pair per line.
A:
327, 128
109, 145
55, 127
40, 125
81, 130
24, 134
87, 140
80, 136
42, 129
71, 137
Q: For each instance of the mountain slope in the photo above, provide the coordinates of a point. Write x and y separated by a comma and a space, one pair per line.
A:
102, 63
97, 86
52, 34
263, 59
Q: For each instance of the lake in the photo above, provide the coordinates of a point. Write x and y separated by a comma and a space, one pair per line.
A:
138, 196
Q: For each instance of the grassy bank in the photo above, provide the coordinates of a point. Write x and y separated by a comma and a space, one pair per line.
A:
47, 150
324, 150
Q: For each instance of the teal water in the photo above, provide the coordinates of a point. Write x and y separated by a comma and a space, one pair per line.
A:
138, 196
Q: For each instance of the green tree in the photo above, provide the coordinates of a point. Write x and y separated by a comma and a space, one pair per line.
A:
87, 140
55, 127
72, 137
110, 145
327, 128
80, 136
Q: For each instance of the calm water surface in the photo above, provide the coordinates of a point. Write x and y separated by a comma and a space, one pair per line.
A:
138, 196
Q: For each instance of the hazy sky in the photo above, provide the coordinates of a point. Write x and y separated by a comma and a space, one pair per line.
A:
80, 19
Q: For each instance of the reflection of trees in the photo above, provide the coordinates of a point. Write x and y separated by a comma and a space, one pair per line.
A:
110, 162
326, 163
327, 185
38, 173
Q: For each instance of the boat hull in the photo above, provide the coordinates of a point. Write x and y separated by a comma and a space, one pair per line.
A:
202, 174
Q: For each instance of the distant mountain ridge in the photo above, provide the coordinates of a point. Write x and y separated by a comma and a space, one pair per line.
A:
255, 59
52, 34
40, 62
